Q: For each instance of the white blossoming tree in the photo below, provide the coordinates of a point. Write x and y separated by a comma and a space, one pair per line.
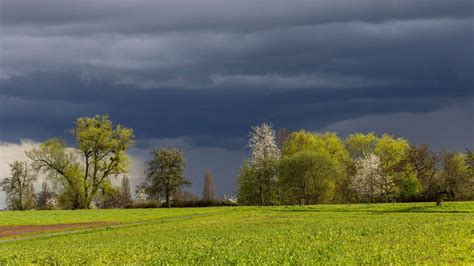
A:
263, 144
257, 184
370, 182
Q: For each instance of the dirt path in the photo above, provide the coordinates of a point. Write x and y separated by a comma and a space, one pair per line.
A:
13, 230
87, 227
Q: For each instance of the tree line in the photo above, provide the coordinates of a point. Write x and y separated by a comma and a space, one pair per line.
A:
81, 177
303, 167
298, 167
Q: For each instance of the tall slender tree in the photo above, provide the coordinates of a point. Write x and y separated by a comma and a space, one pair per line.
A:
125, 191
208, 191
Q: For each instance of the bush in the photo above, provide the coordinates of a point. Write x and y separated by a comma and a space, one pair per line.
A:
143, 205
203, 203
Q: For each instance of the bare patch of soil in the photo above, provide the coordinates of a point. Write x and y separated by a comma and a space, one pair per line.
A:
15, 230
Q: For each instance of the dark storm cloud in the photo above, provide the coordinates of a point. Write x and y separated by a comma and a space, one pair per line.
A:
244, 44
203, 117
214, 15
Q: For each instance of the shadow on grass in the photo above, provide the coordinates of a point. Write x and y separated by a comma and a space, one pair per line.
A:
370, 209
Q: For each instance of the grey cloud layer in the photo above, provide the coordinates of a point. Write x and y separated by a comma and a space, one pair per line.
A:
124, 16
221, 44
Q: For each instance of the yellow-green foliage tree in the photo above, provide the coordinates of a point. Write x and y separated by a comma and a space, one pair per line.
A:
305, 177
360, 145
399, 178
316, 154
396, 177
100, 153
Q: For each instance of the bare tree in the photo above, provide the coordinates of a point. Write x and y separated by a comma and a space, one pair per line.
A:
208, 192
424, 164
18, 186
283, 136
454, 176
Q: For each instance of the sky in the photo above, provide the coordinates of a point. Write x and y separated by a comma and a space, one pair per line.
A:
198, 74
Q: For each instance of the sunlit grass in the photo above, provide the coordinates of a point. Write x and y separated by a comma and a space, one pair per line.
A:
340, 234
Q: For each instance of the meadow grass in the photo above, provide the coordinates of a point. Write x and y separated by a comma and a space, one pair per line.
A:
411, 233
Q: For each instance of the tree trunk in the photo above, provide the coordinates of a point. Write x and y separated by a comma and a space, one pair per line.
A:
303, 202
76, 203
260, 190
168, 202
439, 200
21, 201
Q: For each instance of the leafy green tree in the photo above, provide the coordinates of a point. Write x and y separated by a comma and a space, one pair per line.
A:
99, 153
409, 188
361, 145
164, 173
299, 141
341, 161
454, 177
470, 175
246, 183
391, 151
394, 171
305, 177
18, 187
327, 144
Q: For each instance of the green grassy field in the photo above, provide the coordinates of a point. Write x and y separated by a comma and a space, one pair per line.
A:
339, 234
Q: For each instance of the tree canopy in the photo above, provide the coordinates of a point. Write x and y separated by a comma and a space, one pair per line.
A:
100, 152
164, 173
